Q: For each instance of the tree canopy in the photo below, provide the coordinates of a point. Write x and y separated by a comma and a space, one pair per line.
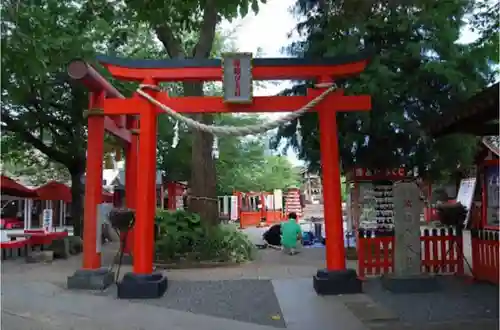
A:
418, 70
43, 127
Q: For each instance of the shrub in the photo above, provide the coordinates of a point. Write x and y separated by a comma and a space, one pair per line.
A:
183, 236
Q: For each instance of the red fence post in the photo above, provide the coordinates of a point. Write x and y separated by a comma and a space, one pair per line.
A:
460, 255
375, 252
426, 255
360, 247
475, 252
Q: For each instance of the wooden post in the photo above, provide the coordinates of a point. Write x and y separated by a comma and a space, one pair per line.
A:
335, 251
93, 182
146, 191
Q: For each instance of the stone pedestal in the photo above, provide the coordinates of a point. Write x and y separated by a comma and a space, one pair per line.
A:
91, 279
420, 283
138, 286
327, 282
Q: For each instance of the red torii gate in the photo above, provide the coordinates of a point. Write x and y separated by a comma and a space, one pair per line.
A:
140, 194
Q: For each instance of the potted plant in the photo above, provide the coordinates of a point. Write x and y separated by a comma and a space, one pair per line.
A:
452, 214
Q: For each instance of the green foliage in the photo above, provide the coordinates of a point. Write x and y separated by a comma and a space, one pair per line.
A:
42, 109
182, 236
418, 70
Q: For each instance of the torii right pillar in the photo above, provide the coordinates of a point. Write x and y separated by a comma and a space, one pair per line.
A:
335, 279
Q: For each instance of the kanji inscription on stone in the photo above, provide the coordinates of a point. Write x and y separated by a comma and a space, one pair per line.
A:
408, 207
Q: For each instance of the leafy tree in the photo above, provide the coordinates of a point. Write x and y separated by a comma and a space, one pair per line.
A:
242, 165
417, 70
42, 109
245, 165
173, 23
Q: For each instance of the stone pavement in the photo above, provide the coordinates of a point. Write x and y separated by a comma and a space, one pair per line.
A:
34, 297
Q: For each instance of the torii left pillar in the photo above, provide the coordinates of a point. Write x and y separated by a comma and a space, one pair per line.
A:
92, 276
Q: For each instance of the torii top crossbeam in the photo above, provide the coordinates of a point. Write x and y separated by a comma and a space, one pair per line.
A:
211, 69
157, 71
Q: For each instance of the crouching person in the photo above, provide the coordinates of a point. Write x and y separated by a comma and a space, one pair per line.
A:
291, 234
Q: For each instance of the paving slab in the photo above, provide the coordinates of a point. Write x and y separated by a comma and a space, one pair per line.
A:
246, 300
303, 309
46, 306
458, 301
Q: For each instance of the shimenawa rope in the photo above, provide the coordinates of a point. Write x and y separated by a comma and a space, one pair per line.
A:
232, 130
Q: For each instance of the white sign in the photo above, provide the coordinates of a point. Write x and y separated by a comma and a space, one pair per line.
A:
47, 219
465, 195
237, 77
225, 205
278, 199
234, 208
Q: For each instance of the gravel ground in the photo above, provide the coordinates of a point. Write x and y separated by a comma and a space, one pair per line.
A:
252, 301
457, 301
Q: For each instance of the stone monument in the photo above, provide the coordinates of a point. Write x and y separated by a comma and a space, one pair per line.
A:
407, 276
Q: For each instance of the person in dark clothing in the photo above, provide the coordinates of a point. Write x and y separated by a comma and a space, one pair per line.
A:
273, 235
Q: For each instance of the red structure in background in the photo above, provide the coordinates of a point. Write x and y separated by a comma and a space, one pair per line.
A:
54, 191
12, 188
479, 116
175, 192
249, 213
107, 103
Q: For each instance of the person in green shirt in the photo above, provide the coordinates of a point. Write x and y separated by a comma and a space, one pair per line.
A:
291, 234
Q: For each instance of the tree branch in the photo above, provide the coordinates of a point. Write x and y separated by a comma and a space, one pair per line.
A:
207, 31
13, 126
169, 41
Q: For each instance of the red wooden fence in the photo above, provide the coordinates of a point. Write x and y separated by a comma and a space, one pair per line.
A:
485, 255
441, 252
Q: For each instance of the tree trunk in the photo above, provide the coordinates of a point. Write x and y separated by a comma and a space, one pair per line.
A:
77, 202
203, 196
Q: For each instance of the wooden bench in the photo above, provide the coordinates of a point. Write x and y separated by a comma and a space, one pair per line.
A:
17, 248
29, 241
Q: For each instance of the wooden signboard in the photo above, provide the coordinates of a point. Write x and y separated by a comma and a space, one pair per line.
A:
465, 195
237, 77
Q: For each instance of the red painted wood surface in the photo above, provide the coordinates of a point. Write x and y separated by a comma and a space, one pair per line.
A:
213, 104
485, 255
441, 252
250, 219
215, 73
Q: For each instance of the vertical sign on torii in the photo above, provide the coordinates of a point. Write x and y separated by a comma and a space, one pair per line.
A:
237, 77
